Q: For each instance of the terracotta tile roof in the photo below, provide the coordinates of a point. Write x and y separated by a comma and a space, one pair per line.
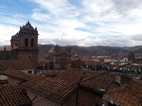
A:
13, 96
17, 74
70, 76
128, 95
91, 62
52, 88
136, 88
89, 75
98, 81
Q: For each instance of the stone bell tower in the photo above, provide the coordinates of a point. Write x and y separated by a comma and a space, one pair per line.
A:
25, 44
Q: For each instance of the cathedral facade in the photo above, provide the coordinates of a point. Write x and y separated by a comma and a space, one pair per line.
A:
24, 48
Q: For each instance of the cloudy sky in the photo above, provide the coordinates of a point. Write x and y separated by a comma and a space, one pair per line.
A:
75, 22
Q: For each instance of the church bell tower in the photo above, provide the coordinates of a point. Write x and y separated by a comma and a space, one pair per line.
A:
25, 44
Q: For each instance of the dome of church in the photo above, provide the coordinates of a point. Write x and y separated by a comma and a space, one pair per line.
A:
28, 26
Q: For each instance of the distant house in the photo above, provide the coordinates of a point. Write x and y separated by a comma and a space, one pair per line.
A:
58, 58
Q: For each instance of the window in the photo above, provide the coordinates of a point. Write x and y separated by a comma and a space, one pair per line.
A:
26, 42
32, 42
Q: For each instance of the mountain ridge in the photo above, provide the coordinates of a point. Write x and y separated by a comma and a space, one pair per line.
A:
96, 50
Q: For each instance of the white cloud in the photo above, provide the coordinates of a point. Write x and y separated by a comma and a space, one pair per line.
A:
94, 22
123, 17
58, 8
6, 32
60, 22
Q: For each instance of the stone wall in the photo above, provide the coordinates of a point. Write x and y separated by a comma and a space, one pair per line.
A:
24, 60
27, 60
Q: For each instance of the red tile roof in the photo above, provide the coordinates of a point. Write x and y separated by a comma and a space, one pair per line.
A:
52, 88
13, 96
98, 81
70, 76
18, 74
128, 95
